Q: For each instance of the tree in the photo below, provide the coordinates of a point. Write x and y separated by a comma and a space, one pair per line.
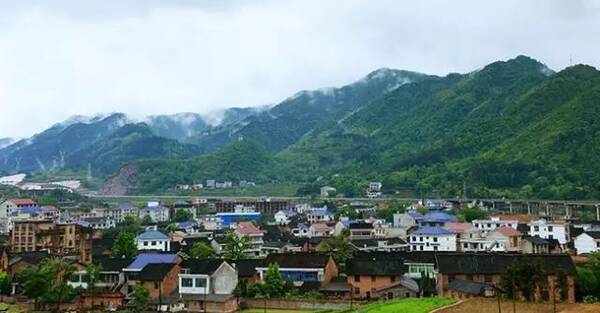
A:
338, 247
5, 285
62, 272
92, 276
140, 298
124, 246
274, 286
183, 215
472, 213
562, 284
236, 245
171, 227
524, 277
201, 250
36, 281
147, 220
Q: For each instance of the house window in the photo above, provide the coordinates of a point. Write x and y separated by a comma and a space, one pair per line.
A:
470, 277
153, 243
435, 239
550, 228
598, 244
357, 278
200, 282
357, 290
373, 278
536, 228
487, 278
187, 282
145, 243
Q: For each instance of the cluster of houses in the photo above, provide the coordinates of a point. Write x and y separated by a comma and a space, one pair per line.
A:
390, 260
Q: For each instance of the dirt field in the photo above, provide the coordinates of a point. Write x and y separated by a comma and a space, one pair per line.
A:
491, 306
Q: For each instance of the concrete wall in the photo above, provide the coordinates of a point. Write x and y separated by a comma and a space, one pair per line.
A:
224, 279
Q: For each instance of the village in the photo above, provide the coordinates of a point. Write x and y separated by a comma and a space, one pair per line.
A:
228, 255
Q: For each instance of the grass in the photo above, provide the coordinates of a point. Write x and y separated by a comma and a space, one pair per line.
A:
10, 308
411, 305
491, 306
277, 311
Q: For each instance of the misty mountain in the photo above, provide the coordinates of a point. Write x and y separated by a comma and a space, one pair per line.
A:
5, 142
306, 111
511, 129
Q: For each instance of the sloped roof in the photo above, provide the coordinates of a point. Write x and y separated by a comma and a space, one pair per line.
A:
155, 271
151, 258
593, 234
439, 217
247, 228
426, 230
21, 201
108, 264
491, 263
205, 266
508, 231
469, 287
536, 240
152, 234
361, 225
247, 267
320, 227
125, 206
376, 266
298, 260
456, 227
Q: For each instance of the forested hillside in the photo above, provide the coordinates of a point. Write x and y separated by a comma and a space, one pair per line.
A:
513, 128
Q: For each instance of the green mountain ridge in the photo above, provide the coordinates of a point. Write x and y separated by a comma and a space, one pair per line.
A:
513, 128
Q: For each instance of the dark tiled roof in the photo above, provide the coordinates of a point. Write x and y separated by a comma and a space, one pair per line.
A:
205, 266
360, 225
468, 263
594, 234
364, 243
33, 257
575, 231
109, 264
536, 240
247, 267
467, 286
298, 260
376, 266
155, 271
523, 228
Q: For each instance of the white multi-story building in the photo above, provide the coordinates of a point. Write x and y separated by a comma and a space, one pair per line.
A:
432, 239
587, 242
548, 230
153, 240
319, 215
488, 225
206, 277
157, 213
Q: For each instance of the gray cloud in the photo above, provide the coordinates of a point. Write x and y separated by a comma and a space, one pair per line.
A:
60, 58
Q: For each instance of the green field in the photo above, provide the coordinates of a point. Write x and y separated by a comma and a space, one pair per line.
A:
412, 305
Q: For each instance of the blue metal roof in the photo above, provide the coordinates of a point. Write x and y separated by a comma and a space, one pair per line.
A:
151, 258
30, 210
185, 224
125, 206
320, 212
439, 217
432, 231
152, 234
416, 215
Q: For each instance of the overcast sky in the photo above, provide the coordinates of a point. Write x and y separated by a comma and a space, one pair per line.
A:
61, 58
